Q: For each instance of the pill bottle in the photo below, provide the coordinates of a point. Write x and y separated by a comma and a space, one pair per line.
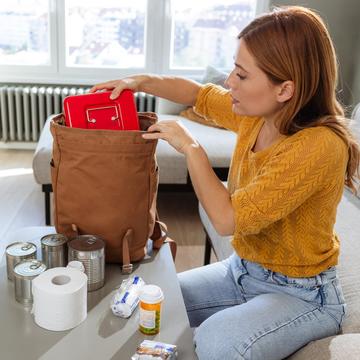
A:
151, 297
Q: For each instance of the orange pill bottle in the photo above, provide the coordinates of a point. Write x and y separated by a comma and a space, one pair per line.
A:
151, 298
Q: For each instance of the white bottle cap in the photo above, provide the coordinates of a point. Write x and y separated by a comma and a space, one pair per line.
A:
151, 294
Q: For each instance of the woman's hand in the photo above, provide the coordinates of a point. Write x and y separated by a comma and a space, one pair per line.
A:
174, 133
117, 86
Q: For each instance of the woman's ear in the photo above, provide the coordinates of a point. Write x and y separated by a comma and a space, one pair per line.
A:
285, 91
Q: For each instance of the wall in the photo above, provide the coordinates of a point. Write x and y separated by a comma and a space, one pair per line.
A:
342, 18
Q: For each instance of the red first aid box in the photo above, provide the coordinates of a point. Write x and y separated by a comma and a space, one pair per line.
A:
98, 111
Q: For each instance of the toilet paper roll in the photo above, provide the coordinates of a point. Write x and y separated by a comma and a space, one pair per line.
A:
60, 298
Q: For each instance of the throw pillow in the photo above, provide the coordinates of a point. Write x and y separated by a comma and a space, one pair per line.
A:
214, 76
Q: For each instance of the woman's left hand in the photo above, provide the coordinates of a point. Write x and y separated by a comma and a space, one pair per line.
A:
174, 133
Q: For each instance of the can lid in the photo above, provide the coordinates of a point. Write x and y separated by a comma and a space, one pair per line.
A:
29, 268
54, 240
86, 243
151, 294
20, 248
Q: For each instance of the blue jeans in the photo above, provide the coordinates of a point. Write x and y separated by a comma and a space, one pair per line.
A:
244, 311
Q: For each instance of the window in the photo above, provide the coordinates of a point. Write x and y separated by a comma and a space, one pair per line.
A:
86, 41
105, 33
205, 32
24, 35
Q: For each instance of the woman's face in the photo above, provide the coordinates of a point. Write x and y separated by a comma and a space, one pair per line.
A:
252, 92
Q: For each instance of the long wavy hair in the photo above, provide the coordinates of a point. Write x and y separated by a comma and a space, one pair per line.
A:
293, 43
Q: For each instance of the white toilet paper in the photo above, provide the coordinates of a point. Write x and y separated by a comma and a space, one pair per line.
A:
60, 298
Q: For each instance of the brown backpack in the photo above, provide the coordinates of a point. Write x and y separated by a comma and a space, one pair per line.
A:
105, 183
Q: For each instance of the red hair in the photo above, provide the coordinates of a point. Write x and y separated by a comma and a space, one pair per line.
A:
293, 43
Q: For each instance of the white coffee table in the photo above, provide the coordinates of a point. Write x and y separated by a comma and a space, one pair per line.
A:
102, 335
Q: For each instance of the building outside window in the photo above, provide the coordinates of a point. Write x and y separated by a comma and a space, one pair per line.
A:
86, 40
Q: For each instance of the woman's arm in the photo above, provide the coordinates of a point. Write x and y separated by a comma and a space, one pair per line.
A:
210, 191
179, 90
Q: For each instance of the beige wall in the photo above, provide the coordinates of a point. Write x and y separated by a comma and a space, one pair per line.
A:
343, 20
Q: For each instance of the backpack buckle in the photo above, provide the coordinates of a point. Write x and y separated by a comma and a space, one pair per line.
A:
127, 269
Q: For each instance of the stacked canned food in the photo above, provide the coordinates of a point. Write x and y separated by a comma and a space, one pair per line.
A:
22, 267
56, 251
16, 253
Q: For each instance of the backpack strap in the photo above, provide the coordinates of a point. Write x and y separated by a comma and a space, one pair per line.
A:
74, 231
127, 266
160, 236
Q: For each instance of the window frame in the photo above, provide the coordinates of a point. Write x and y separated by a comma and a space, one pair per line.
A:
157, 51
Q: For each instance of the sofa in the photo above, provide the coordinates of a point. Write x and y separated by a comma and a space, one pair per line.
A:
345, 345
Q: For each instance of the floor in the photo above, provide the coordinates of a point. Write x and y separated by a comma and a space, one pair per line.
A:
22, 204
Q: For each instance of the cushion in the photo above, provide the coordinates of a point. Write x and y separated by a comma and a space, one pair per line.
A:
355, 127
211, 75
338, 347
164, 106
218, 144
220, 244
42, 155
347, 226
214, 76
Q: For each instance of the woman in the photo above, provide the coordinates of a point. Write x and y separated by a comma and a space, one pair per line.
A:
279, 290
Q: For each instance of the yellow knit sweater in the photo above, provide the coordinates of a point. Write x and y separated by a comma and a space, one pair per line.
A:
285, 196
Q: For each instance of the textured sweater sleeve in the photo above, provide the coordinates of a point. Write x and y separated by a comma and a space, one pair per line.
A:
214, 103
295, 172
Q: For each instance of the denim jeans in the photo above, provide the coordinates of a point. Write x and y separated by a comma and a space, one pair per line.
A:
243, 311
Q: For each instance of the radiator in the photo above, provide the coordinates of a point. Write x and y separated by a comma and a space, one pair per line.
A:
24, 109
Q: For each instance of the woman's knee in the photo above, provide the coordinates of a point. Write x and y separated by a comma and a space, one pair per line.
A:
211, 343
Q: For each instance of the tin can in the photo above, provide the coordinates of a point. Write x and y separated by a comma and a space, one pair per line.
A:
24, 273
54, 250
90, 250
17, 252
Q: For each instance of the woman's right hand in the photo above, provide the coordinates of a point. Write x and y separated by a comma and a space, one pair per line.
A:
117, 86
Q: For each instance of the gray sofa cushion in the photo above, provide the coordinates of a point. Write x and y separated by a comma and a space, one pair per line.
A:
340, 347
355, 127
348, 228
220, 244
42, 155
355, 121
218, 144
